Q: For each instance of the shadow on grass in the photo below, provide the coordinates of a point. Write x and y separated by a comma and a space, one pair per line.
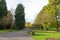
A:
39, 34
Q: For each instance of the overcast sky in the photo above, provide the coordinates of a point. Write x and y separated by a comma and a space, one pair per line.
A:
32, 7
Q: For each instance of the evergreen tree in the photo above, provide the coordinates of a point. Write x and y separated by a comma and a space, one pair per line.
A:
20, 16
3, 12
3, 8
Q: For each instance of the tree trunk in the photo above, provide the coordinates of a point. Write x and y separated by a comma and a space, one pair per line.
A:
5, 28
57, 28
44, 29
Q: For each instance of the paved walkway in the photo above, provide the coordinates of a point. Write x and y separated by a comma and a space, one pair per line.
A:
21, 35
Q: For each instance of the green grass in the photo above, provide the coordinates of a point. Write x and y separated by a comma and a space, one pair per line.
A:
53, 29
41, 35
5, 31
2, 31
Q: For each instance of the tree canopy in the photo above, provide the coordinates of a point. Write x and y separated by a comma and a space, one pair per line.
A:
20, 16
3, 8
48, 15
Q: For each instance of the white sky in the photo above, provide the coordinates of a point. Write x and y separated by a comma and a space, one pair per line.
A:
32, 7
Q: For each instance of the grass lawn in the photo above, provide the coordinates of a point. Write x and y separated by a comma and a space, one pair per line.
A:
41, 35
4, 31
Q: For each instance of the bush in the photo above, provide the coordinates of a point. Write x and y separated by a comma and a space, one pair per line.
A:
1, 27
14, 27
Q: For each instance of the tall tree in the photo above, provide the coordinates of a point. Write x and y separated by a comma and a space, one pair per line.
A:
20, 16
9, 20
3, 11
3, 8
48, 15
6, 21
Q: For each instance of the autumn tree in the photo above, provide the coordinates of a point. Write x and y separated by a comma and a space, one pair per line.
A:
28, 24
7, 20
20, 16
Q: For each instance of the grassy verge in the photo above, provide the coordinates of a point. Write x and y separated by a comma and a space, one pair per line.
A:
4, 31
41, 35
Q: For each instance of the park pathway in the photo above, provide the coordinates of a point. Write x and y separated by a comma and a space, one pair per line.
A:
21, 35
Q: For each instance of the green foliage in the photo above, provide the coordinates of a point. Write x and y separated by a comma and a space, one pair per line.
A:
48, 15
13, 26
3, 8
6, 21
20, 16
3, 13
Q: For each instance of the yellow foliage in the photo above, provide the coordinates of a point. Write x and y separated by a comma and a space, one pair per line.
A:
28, 24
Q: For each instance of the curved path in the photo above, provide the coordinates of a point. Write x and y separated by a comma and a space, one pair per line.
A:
21, 35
